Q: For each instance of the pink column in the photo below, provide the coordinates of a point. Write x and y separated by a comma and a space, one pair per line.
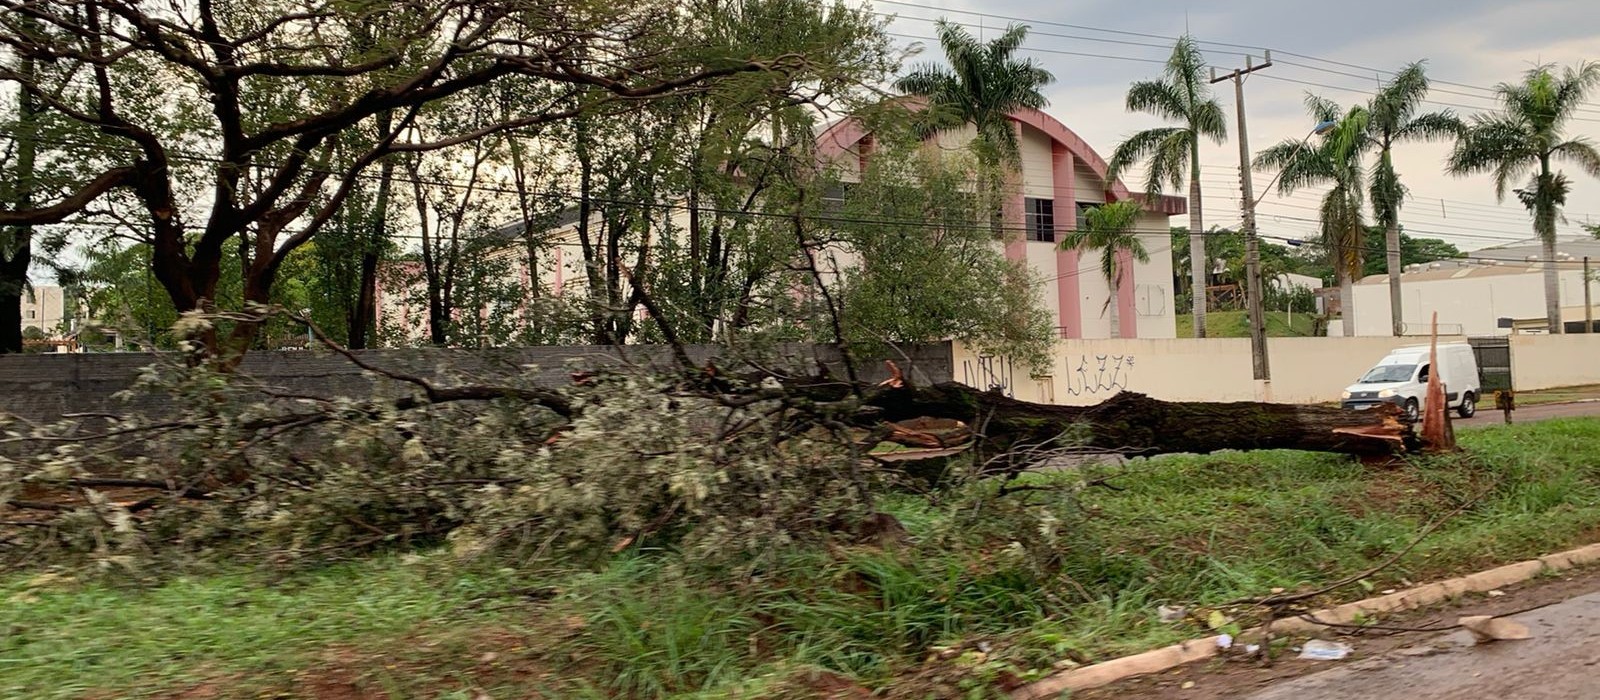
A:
1127, 322
1070, 317
560, 280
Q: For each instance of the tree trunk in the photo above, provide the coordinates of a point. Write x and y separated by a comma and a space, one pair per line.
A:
10, 308
364, 317
1347, 305
14, 262
1552, 283
1197, 245
1391, 240
1135, 424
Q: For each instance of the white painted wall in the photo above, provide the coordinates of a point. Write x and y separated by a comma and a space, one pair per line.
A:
1546, 361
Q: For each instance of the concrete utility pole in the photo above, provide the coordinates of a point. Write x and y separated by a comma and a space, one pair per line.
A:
1252, 245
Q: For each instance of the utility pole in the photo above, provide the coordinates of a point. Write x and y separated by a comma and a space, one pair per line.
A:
1588, 306
1252, 245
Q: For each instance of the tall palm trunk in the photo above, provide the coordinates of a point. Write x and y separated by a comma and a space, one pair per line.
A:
1544, 224
1391, 243
1552, 283
1197, 243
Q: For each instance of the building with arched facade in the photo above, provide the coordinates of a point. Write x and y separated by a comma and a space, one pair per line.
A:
1061, 176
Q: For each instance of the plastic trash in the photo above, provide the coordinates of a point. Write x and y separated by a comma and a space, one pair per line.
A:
1169, 613
1224, 641
1323, 650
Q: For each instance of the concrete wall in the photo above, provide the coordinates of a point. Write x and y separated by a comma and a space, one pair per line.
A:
1083, 372
1545, 361
43, 387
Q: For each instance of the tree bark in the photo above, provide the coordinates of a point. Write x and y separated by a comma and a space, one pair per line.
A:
1135, 424
14, 262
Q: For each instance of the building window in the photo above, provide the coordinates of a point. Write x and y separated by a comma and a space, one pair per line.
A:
1041, 219
1083, 214
32, 314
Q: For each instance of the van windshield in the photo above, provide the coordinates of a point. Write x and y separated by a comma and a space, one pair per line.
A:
1389, 373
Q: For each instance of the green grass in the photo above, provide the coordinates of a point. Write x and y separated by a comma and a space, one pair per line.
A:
1183, 530
60, 639
1236, 324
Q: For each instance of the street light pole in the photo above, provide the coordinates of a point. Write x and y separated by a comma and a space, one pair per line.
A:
1252, 246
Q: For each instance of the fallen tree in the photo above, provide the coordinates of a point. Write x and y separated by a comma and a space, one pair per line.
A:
1132, 423
718, 459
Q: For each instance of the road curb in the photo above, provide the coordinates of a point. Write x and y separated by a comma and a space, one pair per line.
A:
1166, 658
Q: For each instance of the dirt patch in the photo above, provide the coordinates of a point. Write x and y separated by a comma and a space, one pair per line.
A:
1230, 678
487, 663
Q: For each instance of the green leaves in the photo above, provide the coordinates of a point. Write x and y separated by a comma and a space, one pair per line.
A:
984, 84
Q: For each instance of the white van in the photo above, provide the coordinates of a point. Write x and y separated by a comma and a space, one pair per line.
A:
1401, 378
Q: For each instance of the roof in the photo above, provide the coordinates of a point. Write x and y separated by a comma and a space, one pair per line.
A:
1575, 246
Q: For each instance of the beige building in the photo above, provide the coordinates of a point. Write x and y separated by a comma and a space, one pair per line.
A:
1481, 295
44, 308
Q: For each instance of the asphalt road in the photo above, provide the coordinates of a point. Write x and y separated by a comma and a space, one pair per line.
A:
1560, 662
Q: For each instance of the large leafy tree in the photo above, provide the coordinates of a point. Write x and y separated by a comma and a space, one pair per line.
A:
1395, 120
1109, 229
1334, 160
1528, 136
230, 120
1182, 95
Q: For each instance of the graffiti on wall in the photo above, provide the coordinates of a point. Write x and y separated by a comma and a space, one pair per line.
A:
1098, 373
989, 373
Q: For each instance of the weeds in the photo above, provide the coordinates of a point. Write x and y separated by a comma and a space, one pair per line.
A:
992, 590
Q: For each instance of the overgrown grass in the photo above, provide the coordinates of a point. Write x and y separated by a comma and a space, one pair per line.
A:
1181, 530
1236, 324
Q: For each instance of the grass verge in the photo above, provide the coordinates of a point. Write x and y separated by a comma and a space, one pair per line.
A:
971, 590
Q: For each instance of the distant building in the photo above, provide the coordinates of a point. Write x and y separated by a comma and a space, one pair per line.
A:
44, 308
1483, 294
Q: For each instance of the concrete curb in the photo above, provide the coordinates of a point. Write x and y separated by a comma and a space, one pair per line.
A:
1166, 658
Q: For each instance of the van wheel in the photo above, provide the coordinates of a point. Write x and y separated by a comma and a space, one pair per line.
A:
1469, 406
1413, 412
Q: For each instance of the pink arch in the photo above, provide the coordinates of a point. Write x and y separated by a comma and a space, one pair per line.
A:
844, 135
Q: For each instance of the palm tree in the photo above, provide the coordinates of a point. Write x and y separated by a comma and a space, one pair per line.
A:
1526, 136
1334, 160
1109, 229
1183, 96
1395, 120
984, 84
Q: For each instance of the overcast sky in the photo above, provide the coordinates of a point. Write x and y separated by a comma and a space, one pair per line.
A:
1473, 43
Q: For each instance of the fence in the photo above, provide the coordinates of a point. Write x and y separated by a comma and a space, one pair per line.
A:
44, 387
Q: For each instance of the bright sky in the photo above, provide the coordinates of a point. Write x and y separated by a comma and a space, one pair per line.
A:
1472, 43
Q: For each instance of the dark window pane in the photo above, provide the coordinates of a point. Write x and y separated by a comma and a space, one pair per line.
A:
1040, 220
